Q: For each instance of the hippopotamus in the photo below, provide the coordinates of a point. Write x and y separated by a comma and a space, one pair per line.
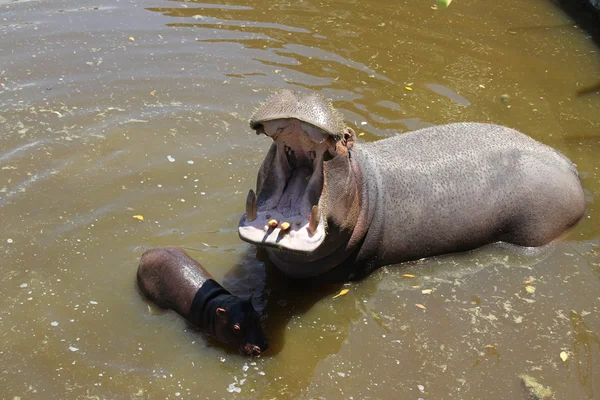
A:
330, 208
173, 280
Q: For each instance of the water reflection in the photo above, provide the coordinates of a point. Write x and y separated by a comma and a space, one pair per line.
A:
586, 348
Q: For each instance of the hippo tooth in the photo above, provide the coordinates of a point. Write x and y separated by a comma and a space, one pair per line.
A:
314, 219
285, 226
273, 223
251, 206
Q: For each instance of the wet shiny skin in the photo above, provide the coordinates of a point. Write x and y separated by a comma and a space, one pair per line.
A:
89, 123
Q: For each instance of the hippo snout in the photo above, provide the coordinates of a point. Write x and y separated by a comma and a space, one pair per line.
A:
253, 350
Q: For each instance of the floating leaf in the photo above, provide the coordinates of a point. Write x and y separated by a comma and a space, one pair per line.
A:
530, 289
564, 356
341, 293
536, 390
152, 93
527, 282
361, 134
408, 88
131, 38
408, 275
421, 306
426, 291
443, 3
140, 217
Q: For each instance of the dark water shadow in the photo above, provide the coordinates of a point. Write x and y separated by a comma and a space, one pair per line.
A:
282, 298
299, 314
583, 14
588, 19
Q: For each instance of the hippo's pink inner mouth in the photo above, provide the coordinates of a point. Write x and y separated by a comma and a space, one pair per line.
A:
290, 183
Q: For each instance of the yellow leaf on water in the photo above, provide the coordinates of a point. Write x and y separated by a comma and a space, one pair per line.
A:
407, 88
341, 293
421, 306
408, 275
140, 217
361, 134
426, 291
564, 356
131, 38
530, 289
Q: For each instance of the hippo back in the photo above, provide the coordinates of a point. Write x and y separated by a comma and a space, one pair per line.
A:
460, 186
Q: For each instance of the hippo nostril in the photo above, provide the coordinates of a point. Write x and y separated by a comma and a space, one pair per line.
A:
250, 350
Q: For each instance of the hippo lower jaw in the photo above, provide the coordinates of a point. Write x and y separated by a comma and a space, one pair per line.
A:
297, 238
286, 213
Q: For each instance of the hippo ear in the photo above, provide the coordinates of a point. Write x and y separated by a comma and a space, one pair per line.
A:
349, 137
345, 144
221, 312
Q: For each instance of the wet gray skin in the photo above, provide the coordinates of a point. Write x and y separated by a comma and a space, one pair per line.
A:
325, 206
97, 127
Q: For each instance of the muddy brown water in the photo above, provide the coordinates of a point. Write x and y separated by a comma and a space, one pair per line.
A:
110, 109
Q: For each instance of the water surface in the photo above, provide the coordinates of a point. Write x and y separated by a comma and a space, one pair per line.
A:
111, 109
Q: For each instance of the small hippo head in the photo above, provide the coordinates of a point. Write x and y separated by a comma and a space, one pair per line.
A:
238, 324
291, 208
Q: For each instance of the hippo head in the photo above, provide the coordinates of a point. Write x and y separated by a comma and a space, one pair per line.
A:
292, 208
238, 324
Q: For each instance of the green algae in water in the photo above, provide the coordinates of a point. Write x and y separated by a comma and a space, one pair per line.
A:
536, 390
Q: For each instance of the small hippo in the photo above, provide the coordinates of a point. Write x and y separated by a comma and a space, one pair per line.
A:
172, 279
330, 208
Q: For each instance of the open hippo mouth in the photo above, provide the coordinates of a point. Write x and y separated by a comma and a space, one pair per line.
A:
285, 213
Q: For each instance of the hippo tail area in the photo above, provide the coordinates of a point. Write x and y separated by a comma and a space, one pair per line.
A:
571, 164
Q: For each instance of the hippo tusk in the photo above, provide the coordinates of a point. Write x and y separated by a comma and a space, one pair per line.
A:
251, 206
315, 216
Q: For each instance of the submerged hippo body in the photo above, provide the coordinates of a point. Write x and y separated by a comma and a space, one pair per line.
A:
444, 189
172, 279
